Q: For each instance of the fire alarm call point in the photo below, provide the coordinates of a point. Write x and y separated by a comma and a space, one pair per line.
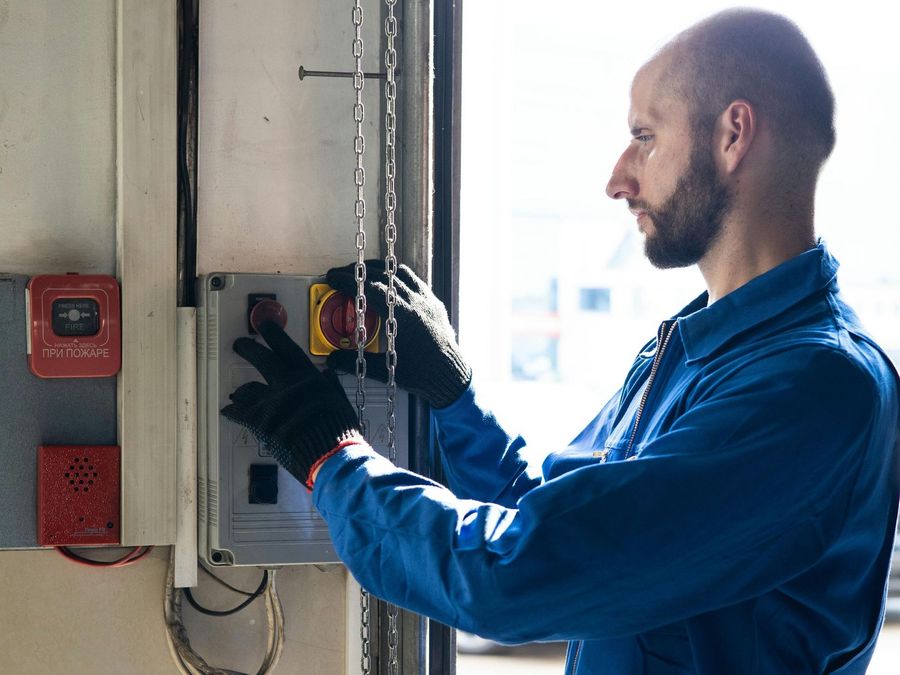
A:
74, 326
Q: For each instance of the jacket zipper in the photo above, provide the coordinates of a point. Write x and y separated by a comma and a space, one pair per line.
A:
662, 340
577, 651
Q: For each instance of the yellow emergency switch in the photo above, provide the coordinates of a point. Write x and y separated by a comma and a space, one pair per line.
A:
332, 322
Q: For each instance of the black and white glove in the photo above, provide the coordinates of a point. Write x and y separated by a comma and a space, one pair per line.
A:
429, 363
302, 414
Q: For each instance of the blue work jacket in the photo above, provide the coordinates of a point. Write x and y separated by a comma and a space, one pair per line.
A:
731, 510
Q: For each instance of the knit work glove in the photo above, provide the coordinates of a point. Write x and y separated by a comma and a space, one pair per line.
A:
301, 414
429, 363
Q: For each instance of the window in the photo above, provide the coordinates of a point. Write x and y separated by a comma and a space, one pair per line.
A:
534, 357
593, 299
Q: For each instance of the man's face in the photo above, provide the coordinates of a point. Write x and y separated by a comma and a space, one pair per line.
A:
668, 176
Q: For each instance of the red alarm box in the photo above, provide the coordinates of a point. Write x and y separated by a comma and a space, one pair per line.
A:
74, 326
78, 495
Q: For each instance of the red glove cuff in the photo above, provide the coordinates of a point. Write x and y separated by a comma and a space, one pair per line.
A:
354, 439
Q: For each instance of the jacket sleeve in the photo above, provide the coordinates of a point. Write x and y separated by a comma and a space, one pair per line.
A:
481, 459
747, 489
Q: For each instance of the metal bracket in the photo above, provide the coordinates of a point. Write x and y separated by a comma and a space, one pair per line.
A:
303, 73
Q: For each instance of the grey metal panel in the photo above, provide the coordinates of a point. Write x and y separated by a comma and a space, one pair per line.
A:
34, 412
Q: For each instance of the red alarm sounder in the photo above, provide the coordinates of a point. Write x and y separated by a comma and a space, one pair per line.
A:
74, 327
78, 495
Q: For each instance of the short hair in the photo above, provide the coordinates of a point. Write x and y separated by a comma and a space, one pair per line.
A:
765, 59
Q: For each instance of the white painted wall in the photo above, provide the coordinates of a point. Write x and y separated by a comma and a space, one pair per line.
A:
57, 136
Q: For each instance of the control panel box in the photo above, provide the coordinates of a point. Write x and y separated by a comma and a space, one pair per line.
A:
251, 511
73, 325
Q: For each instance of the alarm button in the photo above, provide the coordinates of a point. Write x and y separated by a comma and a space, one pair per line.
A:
74, 325
75, 317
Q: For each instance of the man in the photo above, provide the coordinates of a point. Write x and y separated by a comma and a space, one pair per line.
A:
732, 508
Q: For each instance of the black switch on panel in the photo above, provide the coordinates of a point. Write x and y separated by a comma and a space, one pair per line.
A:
252, 300
263, 483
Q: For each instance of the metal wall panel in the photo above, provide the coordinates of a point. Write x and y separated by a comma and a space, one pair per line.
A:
275, 155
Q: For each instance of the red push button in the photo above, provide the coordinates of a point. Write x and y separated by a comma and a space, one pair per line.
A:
268, 310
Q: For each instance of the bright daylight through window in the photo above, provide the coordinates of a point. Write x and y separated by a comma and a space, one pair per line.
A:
556, 295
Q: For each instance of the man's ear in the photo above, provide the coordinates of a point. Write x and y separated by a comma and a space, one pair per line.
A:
735, 132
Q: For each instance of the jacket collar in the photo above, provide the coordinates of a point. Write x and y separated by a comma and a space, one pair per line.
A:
704, 329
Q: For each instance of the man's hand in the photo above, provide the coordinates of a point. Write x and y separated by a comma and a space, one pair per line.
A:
302, 414
429, 363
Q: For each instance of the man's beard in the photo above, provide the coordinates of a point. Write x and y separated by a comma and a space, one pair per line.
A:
690, 220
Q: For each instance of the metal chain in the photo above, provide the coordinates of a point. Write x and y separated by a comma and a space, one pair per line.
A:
390, 264
390, 227
359, 179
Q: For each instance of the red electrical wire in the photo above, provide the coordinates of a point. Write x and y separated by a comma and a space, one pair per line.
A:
129, 558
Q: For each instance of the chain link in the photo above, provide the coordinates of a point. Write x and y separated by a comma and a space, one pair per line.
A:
359, 211
390, 264
364, 637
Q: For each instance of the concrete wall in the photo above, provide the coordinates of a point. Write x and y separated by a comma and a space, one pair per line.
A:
275, 194
57, 136
59, 617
